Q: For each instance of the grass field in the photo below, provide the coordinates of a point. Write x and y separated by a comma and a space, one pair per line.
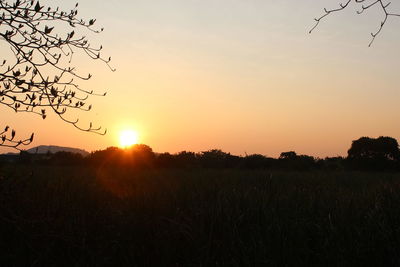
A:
75, 216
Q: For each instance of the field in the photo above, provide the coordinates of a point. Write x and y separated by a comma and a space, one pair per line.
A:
76, 216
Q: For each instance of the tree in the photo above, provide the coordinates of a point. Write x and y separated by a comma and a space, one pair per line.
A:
40, 78
138, 156
288, 155
363, 6
375, 148
374, 154
290, 160
216, 158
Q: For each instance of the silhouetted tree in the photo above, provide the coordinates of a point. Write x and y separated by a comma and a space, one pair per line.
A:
371, 148
216, 158
291, 161
104, 157
257, 161
185, 159
373, 153
288, 155
39, 77
362, 5
165, 160
137, 156
140, 156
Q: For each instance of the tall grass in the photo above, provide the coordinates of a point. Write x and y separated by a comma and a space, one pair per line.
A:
76, 216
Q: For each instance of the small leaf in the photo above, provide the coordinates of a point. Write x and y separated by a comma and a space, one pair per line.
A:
48, 30
54, 92
19, 82
37, 7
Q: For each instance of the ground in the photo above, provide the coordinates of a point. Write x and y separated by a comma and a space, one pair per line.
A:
84, 216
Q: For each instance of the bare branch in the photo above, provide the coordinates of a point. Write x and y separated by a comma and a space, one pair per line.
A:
8, 139
363, 6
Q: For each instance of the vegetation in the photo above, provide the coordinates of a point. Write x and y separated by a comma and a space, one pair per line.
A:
134, 207
102, 216
368, 154
38, 76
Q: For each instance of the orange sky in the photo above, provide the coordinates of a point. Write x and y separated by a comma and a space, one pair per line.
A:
241, 76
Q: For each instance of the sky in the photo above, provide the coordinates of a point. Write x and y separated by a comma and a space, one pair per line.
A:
243, 76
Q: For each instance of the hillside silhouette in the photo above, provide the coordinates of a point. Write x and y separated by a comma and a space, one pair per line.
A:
54, 149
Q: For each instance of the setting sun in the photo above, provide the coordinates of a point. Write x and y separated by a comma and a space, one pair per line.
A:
128, 138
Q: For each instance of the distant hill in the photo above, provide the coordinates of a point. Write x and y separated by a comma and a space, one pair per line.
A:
55, 149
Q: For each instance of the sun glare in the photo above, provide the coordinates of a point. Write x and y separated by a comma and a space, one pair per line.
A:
128, 138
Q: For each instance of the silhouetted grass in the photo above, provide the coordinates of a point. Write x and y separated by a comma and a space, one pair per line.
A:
77, 216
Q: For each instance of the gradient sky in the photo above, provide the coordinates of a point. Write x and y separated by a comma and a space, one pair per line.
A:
243, 76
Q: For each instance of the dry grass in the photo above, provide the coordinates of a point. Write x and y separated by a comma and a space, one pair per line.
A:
52, 216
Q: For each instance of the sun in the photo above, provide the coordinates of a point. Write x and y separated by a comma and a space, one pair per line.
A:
128, 138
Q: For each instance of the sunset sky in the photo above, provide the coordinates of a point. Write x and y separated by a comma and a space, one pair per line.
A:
243, 76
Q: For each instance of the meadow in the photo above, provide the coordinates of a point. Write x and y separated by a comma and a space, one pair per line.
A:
103, 216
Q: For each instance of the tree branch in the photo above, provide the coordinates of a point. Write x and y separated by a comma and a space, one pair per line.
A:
363, 5
30, 30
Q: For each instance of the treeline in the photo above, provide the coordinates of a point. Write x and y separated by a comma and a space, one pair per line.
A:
369, 154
